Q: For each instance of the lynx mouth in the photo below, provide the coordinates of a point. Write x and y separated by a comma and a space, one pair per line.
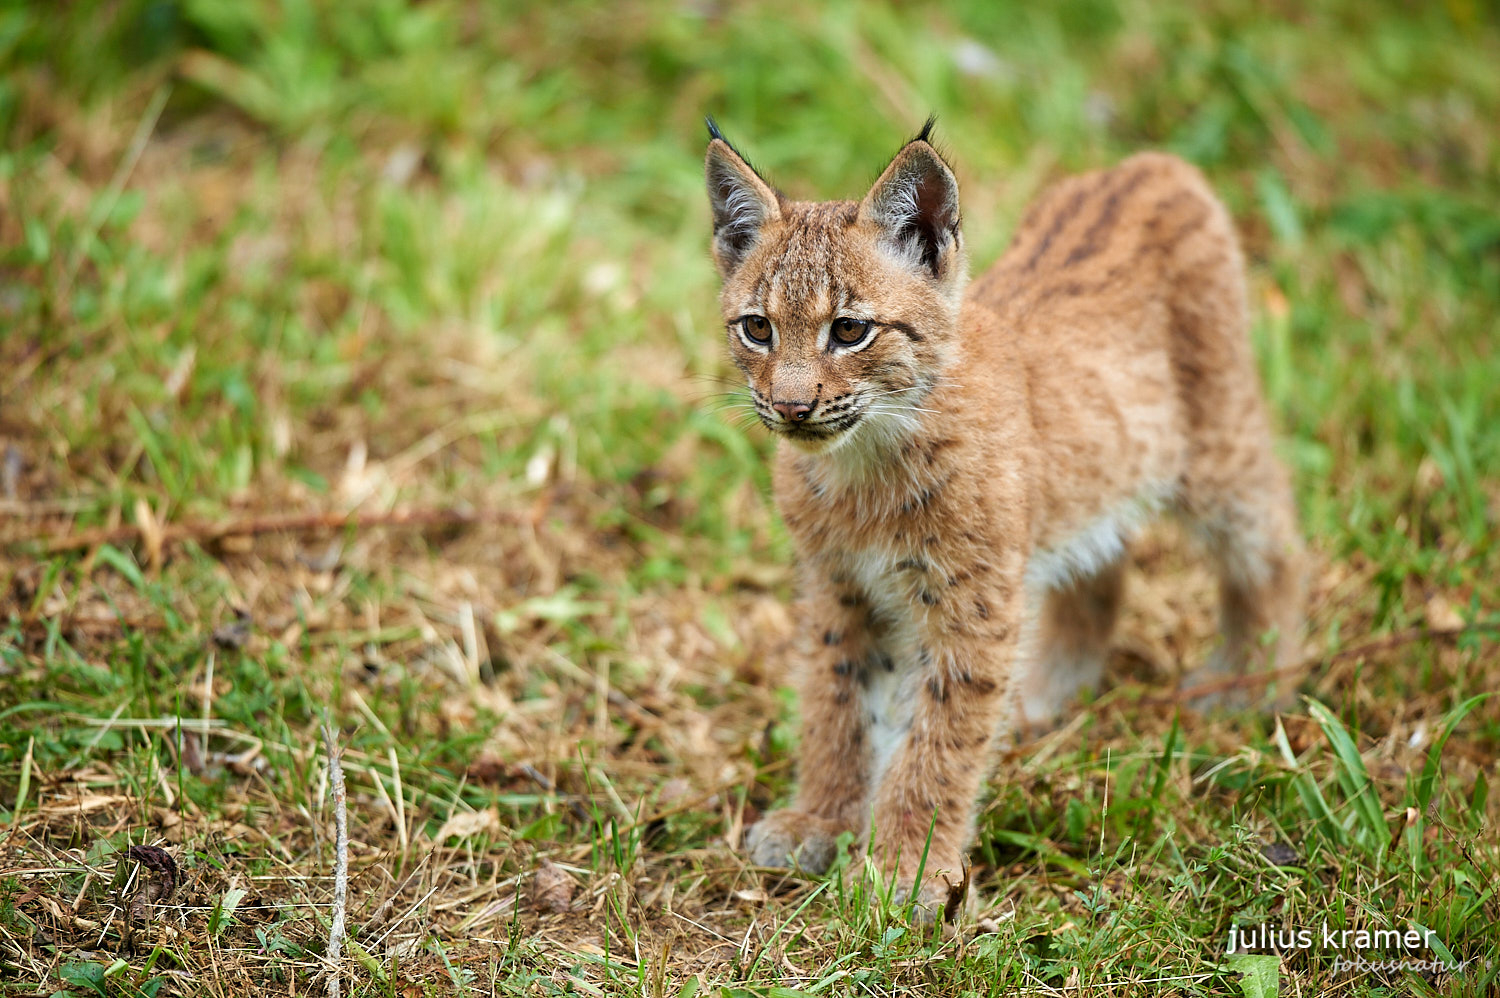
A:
827, 430
803, 433
819, 437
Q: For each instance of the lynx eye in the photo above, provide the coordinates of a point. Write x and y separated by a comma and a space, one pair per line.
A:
756, 327
847, 332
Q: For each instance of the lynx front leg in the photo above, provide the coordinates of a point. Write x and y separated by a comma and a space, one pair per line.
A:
962, 697
833, 767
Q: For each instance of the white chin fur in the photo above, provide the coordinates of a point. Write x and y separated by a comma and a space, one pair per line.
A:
819, 445
861, 453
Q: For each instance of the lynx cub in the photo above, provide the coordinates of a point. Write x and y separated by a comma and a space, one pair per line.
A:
964, 463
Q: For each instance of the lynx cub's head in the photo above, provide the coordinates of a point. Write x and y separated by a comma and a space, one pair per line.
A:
841, 314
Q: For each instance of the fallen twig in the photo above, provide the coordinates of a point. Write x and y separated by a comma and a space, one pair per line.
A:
270, 524
541, 780
1386, 642
1249, 679
1395, 640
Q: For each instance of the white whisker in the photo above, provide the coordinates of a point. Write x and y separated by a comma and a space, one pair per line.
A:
878, 407
895, 391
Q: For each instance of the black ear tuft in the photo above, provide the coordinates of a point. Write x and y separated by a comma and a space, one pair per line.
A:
713, 129
923, 136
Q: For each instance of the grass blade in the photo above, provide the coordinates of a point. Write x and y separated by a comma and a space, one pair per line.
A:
24, 786
1307, 791
1359, 789
1428, 779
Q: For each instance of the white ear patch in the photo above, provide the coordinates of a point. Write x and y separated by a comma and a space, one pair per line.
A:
915, 205
744, 213
900, 216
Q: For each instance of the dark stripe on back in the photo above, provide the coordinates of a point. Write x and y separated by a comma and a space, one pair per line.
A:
1192, 223
1062, 218
1094, 237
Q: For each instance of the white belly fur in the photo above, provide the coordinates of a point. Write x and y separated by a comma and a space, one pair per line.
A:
891, 696
1099, 544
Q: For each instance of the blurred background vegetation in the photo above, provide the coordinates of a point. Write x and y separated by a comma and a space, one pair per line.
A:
356, 178
260, 256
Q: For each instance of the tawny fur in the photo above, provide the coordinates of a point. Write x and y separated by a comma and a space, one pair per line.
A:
961, 487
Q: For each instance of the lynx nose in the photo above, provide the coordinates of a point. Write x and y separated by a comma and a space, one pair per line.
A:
795, 412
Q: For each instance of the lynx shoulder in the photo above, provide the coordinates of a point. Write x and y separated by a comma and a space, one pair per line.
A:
962, 465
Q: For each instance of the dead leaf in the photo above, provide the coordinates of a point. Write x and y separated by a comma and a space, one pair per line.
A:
1441, 616
153, 533
171, 825
1402, 823
81, 805
753, 895
1429, 477
551, 889
956, 895
673, 792
467, 824
160, 884
487, 769
1276, 304
235, 633
1280, 854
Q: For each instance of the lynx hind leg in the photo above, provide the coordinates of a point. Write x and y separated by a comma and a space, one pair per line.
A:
1073, 627
1243, 511
1234, 492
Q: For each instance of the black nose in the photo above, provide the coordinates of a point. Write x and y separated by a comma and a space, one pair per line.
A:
795, 411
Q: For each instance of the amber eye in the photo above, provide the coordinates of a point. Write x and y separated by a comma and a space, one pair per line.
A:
757, 328
848, 332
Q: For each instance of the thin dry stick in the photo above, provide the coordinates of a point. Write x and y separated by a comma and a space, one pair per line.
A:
271, 524
341, 865
1386, 642
1229, 683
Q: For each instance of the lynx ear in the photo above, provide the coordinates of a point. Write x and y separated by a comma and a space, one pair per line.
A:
742, 202
915, 204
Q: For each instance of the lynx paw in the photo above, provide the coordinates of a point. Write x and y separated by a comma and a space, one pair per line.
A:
794, 840
1212, 686
1226, 682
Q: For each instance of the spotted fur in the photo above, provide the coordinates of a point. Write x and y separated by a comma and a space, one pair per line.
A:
962, 487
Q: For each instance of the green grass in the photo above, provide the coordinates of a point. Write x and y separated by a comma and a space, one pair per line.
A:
294, 257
